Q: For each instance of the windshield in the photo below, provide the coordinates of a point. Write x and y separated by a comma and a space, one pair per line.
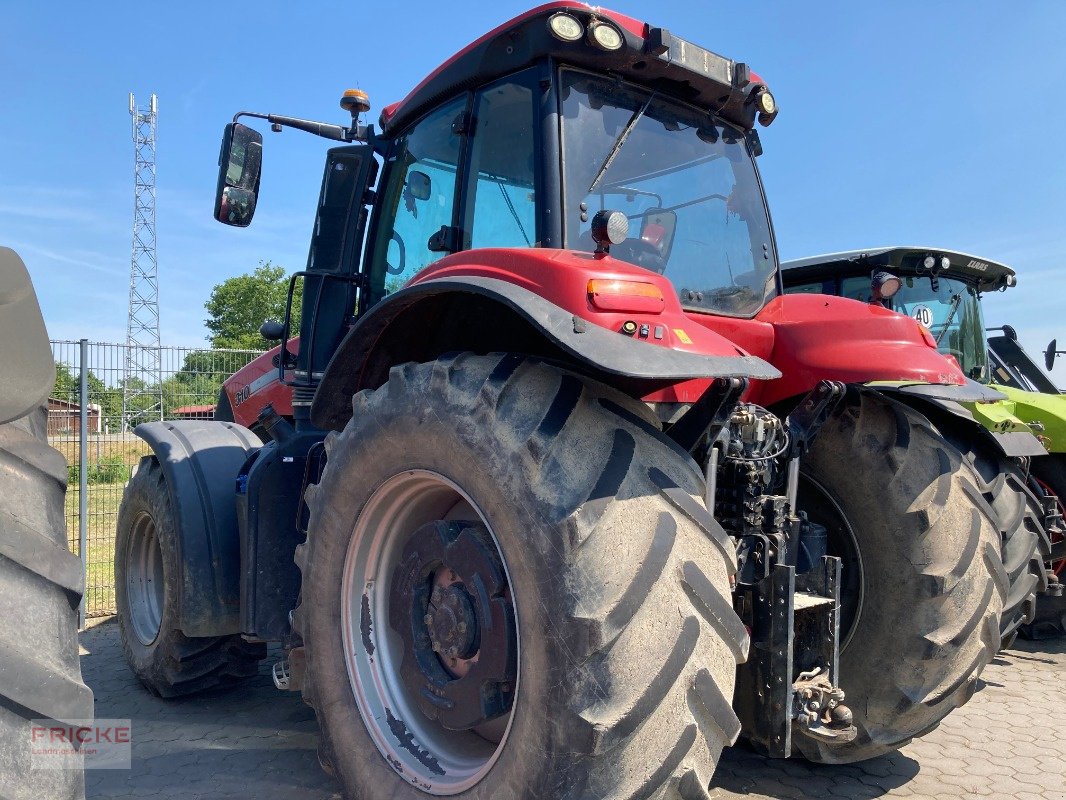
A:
949, 308
686, 182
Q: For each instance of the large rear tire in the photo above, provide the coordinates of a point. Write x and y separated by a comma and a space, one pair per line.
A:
617, 578
41, 585
166, 661
922, 577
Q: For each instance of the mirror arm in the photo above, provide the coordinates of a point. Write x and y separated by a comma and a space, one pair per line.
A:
357, 133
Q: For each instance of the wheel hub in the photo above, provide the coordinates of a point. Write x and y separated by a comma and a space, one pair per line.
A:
448, 602
452, 622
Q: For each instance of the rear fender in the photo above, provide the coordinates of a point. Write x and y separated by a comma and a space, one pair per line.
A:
482, 314
200, 460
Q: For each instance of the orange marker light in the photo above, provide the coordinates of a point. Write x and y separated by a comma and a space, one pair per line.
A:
356, 101
927, 337
618, 295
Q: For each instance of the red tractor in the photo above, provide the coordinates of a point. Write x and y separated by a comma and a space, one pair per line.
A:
472, 500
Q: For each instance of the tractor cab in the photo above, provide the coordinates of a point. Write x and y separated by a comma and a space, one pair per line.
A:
569, 129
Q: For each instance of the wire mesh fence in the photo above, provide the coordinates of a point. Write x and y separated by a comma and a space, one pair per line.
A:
116, 400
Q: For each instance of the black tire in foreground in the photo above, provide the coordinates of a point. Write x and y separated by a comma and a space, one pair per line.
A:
41, 585
624, 640
923, 584
166, 661
1019, 518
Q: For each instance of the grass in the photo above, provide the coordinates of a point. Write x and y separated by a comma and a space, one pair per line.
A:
103, 448
102, 513
110, 459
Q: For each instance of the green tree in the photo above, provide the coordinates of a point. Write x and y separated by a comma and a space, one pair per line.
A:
239, 305
200, 378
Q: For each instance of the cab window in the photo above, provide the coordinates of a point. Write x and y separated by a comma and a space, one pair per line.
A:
419, 198
501, 199
857, 288
816, 287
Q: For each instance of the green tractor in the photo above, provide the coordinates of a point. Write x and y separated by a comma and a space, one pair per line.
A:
1035, 398
942, 291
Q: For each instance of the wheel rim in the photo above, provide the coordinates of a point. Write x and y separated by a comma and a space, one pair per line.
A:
841, 542
421, 750
144, 580
1056, 535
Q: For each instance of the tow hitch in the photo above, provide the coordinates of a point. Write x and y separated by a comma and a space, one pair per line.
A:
789, 684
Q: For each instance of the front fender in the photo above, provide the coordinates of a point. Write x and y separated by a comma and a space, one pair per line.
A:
985, 409
1049, 410
200, 460
482, 314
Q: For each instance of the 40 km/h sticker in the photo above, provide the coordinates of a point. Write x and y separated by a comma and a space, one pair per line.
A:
924, 315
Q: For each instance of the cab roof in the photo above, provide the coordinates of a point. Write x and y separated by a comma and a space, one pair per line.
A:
907, 260
649, 56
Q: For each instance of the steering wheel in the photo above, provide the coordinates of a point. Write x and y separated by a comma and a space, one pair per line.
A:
640, 253
397, 270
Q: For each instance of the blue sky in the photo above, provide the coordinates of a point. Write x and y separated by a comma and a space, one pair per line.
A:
904, 122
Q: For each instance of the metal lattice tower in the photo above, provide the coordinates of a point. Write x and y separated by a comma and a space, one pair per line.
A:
142, 398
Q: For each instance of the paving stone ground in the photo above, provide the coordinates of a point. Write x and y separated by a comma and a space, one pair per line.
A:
1009, 741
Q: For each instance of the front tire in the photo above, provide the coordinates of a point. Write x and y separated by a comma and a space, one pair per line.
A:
1018, 517
923, 585
625, 639
147, 572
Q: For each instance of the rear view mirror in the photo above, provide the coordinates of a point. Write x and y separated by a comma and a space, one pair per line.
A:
419, 185
1050, 353
239, 164
657, 228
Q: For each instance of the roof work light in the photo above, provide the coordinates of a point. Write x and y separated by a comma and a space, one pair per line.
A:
604, 36
565, 27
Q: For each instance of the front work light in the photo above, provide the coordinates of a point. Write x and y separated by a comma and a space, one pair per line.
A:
565, 27
605, 36
884, 285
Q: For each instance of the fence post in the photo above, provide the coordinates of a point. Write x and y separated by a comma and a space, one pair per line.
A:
83, 469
